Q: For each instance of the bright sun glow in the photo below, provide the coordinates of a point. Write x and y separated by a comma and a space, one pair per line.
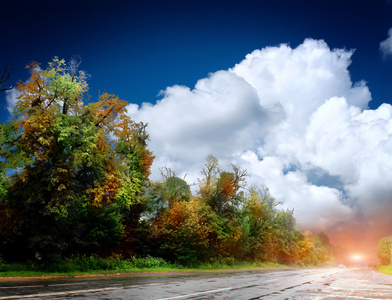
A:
356, 257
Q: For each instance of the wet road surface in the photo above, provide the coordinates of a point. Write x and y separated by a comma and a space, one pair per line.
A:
332, 283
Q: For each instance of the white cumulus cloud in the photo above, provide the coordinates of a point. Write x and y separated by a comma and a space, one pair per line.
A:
386, 46
294, 119
11, 97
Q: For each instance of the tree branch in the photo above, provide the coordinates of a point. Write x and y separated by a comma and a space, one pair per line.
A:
4, 78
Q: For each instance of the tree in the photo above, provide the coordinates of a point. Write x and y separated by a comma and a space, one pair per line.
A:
221, 189
77, 169
210, 172
305, 251
259, 216
182, 232
223, 193
384, 250
158, 198
10, 219
322, 246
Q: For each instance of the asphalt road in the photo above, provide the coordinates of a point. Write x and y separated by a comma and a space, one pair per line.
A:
332, 283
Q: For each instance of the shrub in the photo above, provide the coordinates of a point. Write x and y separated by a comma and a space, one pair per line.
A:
148, 262
2, 265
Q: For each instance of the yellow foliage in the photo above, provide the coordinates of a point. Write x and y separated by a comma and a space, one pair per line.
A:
257, 209
147, 160
227, 186
107, 109
61, 187
176, 215
105, 191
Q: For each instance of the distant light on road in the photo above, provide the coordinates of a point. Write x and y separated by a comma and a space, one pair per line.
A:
356, 257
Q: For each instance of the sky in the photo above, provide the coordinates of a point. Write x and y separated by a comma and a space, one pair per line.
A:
298, 92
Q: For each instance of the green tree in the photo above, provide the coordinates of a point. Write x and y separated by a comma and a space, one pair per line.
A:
171, 189
182, 232
323, 247
223, 193
77, 169
314, 249
168, 213
306, 249
384, 250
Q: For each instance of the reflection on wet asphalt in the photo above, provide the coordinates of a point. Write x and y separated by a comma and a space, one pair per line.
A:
320, 284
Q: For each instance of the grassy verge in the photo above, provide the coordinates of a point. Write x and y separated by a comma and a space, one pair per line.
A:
386, 269
92, 265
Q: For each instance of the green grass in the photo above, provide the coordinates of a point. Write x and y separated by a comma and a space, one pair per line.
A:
93, 265
386, 269
82, 265
238, 265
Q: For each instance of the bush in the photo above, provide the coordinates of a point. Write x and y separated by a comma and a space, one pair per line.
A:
148, 262
2, 265
57, 264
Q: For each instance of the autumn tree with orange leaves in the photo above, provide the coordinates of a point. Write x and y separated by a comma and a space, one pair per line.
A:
76, 169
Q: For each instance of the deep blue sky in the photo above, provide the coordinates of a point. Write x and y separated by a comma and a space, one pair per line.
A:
137, 48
